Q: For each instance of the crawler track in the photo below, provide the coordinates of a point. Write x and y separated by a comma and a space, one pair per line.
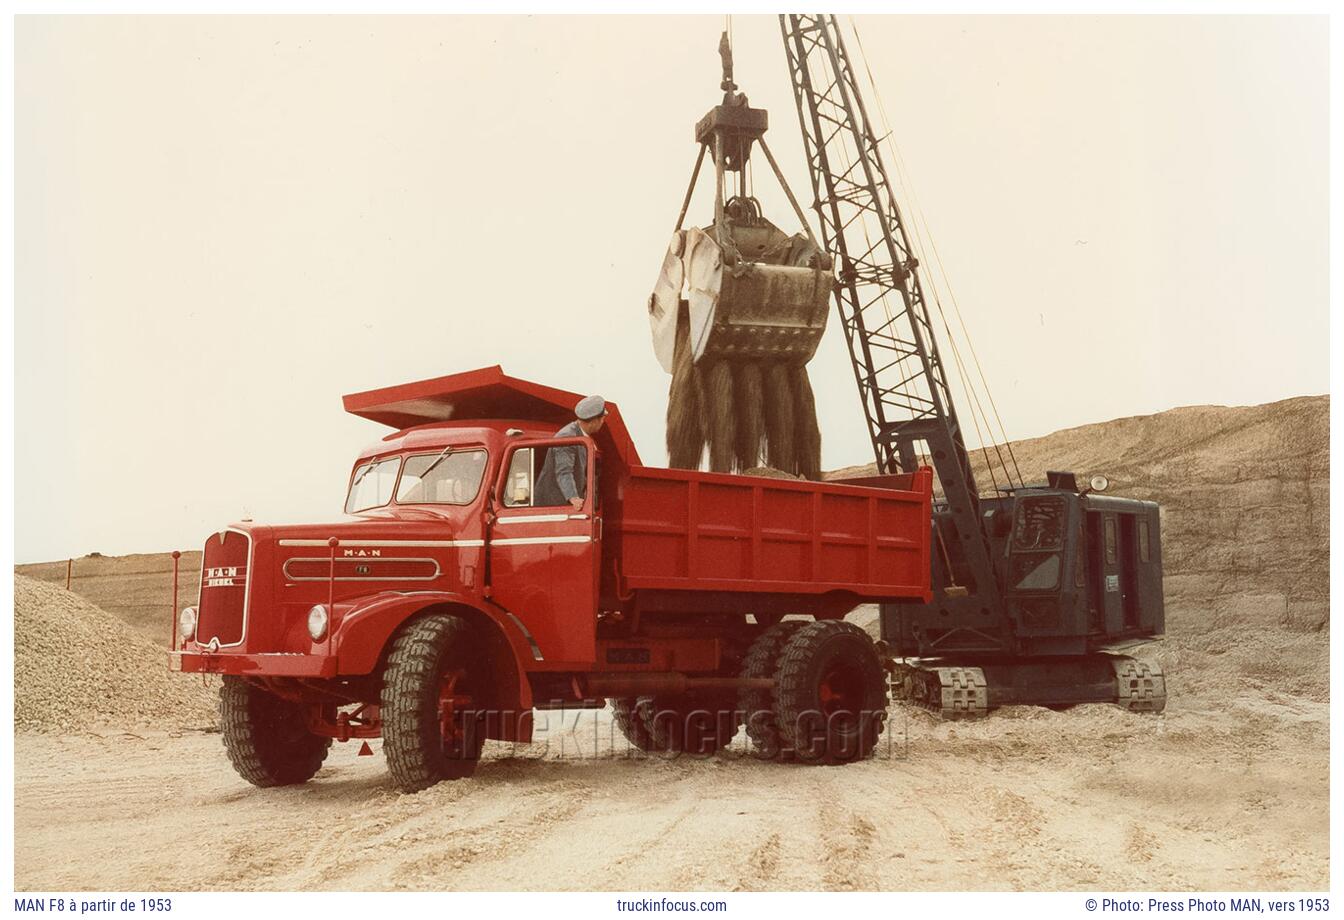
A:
969, 692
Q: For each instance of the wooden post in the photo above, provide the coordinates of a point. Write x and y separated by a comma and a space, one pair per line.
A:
177, 554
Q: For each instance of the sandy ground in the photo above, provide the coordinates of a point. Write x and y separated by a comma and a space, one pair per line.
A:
1218, 793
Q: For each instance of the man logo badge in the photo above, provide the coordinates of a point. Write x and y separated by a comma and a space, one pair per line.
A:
224, 576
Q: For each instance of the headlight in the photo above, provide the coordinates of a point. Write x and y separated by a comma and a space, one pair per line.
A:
317, 622
186, 623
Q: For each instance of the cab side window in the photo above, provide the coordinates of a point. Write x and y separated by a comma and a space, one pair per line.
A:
548, 465
532, 480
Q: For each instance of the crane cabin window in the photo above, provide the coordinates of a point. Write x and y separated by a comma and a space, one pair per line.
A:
1035, 572
1080, 559
371, 486
1145, 552
1110, 540
1039, 523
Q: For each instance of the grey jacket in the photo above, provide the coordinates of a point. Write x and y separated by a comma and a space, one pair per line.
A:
564, 475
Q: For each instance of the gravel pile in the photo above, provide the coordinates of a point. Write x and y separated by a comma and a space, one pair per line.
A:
77, 667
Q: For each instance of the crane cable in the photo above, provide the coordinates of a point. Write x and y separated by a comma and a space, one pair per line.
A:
977, 412
902, 172
1000, 439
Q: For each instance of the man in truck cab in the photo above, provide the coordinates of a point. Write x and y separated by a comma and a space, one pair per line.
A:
564, 475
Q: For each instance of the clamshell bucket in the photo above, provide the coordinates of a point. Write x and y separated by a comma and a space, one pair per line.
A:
771, 307
738, 310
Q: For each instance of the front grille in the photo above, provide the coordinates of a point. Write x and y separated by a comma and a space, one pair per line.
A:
223, 608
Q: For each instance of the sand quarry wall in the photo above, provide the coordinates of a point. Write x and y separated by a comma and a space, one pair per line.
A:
1245, 508
1245, 503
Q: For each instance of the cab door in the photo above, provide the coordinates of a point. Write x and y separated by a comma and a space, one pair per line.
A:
1104, 571
543, 560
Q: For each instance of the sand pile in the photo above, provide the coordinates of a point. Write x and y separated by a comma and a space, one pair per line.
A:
78, 667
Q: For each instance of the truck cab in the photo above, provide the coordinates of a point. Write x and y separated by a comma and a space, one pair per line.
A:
418, 509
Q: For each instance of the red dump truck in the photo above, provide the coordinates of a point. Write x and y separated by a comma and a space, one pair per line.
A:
448, 606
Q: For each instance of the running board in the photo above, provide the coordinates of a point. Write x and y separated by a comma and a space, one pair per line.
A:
968, 692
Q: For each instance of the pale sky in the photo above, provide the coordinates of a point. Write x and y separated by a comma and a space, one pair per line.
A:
223, 224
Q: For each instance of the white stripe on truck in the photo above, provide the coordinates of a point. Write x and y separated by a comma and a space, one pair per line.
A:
385, 543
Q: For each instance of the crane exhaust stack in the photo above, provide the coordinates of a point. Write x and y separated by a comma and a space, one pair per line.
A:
737, 312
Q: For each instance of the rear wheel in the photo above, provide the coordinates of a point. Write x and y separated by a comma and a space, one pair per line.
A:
267, 737
630, 723
431, 728
830, 693
695, 724
757, 706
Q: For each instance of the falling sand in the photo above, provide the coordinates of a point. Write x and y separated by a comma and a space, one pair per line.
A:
748, 413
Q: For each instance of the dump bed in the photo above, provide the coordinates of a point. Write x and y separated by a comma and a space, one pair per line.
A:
678, 532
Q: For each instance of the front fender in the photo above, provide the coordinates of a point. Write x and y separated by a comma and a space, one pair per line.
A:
364, 631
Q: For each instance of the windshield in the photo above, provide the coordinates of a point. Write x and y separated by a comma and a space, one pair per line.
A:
372, 484
443, 479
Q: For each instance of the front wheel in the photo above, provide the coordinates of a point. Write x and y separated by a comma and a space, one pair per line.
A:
267, 737
431, 728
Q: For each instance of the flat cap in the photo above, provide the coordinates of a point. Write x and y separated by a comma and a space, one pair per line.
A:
591, 407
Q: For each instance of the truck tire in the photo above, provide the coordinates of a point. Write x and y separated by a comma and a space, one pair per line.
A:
757, 707
267, 737
629, 721
830, 693
429, 680
698, 725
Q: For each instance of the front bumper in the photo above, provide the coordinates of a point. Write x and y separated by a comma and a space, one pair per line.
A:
270, 664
